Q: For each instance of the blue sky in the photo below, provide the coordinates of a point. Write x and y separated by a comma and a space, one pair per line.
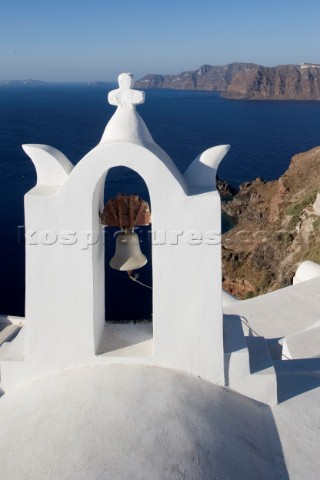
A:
80, 40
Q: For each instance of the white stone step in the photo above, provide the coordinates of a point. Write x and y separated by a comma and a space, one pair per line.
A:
248, 365
20, 321
11, 360
4, 347
8, 332
296, 377
300, 367
259, 355
15, 349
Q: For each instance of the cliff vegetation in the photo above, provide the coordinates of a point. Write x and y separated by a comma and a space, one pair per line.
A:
277, 226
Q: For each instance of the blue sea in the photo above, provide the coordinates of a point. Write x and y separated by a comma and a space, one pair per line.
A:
263, 135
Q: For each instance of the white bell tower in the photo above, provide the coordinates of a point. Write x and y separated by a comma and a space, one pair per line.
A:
65, 294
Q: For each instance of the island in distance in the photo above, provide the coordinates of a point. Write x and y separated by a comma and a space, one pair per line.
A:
6, 83
245, 81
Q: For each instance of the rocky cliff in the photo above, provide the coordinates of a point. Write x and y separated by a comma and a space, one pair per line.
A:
245, 81
277, 227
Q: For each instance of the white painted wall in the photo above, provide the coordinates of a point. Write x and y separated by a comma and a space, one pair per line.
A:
316, 205
306, 271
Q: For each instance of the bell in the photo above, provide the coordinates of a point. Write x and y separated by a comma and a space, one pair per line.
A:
128, 255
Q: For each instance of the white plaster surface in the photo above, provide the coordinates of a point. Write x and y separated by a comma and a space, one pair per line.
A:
306, 271
248, 366
9, 327
6, 319
7, 332
52, 166
316, 205
283, 312
228, 299
116, 422
297, 416
126, 124
297, 419
202, 172
127, 340
303, 344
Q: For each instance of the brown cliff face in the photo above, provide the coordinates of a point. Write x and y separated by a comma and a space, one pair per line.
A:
205, 78
245, 81
289, 82
276, 228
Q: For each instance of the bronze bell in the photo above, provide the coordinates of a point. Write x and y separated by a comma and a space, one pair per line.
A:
128, 255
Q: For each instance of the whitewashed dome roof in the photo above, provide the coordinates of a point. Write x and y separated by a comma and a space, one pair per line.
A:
131, 422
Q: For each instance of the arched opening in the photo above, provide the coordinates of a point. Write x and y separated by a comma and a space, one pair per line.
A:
128, 304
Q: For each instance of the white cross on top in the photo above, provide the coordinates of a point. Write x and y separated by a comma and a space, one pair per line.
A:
125, 96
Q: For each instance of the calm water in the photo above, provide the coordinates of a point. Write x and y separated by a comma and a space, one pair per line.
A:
263, 137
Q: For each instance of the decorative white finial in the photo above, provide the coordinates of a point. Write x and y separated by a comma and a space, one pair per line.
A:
125, 96
126, 123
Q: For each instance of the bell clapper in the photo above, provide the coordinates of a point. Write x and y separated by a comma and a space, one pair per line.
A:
134, 277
